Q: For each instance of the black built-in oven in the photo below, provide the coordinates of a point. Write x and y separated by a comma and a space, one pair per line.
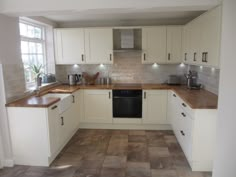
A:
127, 103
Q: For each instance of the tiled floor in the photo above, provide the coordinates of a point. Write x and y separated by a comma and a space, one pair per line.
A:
115, 153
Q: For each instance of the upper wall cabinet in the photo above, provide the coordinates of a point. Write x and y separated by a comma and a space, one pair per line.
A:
99, 45
69, 46
174, 44
201, 39
154, 45
210, 37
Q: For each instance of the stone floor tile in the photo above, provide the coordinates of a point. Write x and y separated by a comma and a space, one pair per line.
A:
161, 163
114, 162
138, 169
137, 132
91, 164
87, 173
137, 138
158, 152
17, 171
101, 153
164, 173
112, 172
59, 172
137, 152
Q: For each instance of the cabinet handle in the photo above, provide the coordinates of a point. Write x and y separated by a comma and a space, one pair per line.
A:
195, 56
82, 56
168, 56
174, 95
110, 57
184, 115
182, 132
73, 99
54, 107
144, 56
206, 57
62, 121
144, 95
185, 56
109, 95
184, 105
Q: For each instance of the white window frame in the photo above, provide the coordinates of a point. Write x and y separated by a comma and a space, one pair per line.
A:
30, 85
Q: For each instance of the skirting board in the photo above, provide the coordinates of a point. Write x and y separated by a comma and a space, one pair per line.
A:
8, 163
124, 126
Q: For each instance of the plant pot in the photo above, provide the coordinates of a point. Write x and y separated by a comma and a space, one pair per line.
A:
38, 81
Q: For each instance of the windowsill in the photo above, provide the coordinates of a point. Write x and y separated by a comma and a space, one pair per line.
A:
43, 86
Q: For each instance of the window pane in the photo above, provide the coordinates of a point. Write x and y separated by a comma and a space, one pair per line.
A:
30, 31
24, 47
23, 29
39, 48
32, 47
37, 33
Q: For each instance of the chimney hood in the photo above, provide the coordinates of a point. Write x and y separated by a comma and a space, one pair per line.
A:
127, 39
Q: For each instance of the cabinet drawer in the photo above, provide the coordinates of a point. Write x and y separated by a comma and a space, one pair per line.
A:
185, 131
183, 105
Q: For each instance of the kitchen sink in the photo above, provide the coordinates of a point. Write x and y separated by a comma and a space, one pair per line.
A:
65, 102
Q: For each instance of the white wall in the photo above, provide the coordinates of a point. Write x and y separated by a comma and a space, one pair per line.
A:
5, 144
225, 162
10, 57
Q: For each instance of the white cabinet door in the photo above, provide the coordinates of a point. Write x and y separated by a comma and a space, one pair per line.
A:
186, 44
99, 45
154, 45
195, 33
75, 111
154, 107
98, 106
69, 46
210, 37
53, 128
174, 44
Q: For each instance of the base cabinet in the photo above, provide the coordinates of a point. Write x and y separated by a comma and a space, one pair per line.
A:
195, 130
154, 107
39, 134
97, 106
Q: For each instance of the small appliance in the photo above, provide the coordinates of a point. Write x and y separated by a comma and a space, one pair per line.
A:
73, 79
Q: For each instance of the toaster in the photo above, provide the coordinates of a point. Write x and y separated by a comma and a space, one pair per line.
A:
174, 80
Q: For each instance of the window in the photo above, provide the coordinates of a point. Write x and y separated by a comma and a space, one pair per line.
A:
32, 49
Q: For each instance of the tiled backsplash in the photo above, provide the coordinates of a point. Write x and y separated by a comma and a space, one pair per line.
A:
127, 68
208, 77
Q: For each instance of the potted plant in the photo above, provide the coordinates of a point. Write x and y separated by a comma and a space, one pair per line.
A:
37, 70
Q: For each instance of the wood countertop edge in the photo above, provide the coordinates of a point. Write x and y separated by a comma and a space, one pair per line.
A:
72, 89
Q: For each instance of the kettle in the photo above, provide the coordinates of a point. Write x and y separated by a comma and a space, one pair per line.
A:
73, 79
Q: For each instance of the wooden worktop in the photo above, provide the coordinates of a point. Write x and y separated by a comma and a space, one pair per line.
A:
196, 99
39, 102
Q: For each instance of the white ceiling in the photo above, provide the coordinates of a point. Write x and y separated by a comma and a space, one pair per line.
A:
67, 12
124, 15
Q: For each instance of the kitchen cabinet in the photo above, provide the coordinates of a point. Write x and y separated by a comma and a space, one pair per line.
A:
99, 45
43, 131
186, 44
210, 37
154, 107
154, 45
174, 44
69, 46
97, 106
201, 39
195, 130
